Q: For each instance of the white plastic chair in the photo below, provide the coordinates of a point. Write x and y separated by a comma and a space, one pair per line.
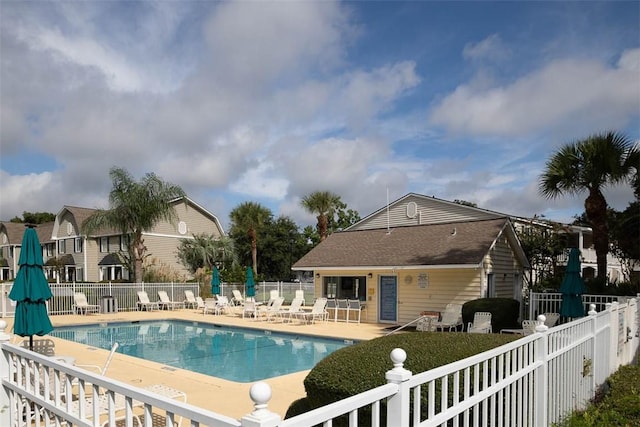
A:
342, 306
292, 310
481, 323
166, 303
317, 312
451, 318
190, 299
144, 303
354, 306
80, 304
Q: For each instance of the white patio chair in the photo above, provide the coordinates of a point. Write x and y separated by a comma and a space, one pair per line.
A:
331, 309
451, 318
342, 306
166, 303
144, 303
300, 294
210, 306
190, 300
249, 308
551, 319
274, 310
292, 310
317, 312
80, 304
355, 306
481, 323
237, 298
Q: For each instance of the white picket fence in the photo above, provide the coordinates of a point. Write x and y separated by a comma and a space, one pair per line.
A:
534, 381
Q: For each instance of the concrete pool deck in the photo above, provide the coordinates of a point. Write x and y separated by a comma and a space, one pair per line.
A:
215, 394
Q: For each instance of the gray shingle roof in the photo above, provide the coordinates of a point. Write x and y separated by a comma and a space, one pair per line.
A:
459, 243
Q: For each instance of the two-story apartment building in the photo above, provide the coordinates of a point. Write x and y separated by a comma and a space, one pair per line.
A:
71, 256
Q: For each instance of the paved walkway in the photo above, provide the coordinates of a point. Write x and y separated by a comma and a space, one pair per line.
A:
215, 394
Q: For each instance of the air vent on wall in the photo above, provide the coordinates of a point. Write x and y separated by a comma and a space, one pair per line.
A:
412, 209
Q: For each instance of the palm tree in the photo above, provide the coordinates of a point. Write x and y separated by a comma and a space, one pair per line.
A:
590, 165
324, 204
205, 251
250, 217
134, 208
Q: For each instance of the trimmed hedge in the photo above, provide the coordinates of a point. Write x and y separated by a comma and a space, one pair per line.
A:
361, 367
504, 312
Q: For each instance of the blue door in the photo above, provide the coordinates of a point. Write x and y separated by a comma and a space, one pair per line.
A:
388, 299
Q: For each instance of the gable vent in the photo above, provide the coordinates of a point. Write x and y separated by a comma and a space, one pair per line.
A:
412, 209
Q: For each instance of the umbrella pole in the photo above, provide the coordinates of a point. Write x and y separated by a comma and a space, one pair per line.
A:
31, 342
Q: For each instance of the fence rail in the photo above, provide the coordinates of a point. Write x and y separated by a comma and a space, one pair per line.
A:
534, 381
126, 298
549, 302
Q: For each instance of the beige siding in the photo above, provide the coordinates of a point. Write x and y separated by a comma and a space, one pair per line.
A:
444, 286
162, 252
94, 256
502, 262
429, 211
196, 222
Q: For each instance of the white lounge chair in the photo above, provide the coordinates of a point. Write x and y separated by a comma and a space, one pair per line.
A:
199, 303
102, 369
293, 310
81, 305
105, 403
190, 300
317, 312
249, 308
210, 306
481, 323
300, 294
274, 310
237, 298
166, 303
144, 303
451, 318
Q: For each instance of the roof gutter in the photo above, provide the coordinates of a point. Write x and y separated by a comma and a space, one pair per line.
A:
390, 267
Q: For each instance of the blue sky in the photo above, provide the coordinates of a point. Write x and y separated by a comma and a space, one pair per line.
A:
270, 101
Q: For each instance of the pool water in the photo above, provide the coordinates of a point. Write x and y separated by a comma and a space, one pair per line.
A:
234, 354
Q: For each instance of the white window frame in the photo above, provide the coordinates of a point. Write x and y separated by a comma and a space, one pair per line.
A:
62, 246
77, 245
104, 244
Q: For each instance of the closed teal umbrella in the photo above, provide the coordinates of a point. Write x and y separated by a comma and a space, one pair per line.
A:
250, 283
215, 281
572, 287
31, 290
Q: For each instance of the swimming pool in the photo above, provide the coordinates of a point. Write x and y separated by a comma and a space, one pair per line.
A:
235, 354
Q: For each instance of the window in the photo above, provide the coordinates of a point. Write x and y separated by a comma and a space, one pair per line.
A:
345, 287
61, 247
50, 248
77, 244
104, 244
491, 287
124, 243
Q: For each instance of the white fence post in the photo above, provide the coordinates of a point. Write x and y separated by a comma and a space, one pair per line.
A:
5, 409
260, 393
541, 402
398, 405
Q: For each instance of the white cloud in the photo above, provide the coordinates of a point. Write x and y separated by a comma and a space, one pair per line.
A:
491, 48
578, 94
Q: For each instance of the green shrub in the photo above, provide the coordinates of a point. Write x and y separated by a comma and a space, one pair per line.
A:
504, 312
618, 403
361, 367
